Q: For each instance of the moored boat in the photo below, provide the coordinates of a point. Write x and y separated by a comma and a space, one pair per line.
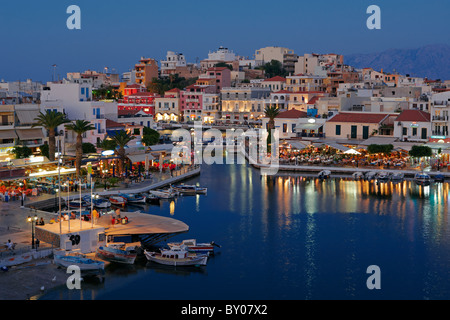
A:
325, 174
85, 264
176, 256
370, 175
190, 189
383, 176
439, 178
162, 194
132, 198
117, 252
422, 179
118, 201
77, 203
152, 199
193, 246
358, 175
398, 176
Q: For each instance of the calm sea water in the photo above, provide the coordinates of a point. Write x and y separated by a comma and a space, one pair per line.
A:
293, 237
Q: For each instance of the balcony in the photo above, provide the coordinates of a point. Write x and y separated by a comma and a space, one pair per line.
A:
32, 143
6, 125
440, 133
440, 118
441, 104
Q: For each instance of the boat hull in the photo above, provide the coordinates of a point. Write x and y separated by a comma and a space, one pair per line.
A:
114, 255
84, 264
191, 261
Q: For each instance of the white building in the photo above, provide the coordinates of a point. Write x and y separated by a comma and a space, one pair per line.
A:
173, 60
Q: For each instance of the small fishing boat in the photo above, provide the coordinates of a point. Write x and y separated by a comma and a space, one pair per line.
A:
97, 202
370, 175
383, 176
398, 176
85, 264
325, 174
76, 203
193, 246
422, 179
132, 198
176, 256
118, 201
358, 175
190, 189
117, 252
439, 178
162, 194
152, 199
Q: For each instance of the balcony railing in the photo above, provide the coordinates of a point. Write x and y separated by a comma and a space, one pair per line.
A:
439, 133
440, 118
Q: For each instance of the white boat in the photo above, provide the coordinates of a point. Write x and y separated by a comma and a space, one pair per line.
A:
117, 252
398, 176
133, 198
358, 175
370, 175
176, 256
422, 179
118, 201
85, 264
383, 176
193, 246
162, 194
325, 174
97, 202
190, 189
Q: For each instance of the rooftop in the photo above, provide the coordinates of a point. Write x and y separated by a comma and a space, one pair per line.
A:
414, 116
359, 117
292, 114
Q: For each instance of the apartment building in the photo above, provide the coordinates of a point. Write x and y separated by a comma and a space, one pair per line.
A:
243, 104
146, 70
284, 55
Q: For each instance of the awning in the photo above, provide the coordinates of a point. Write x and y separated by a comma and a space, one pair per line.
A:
30, 134
298, 145
308, 126
135, 158
336, 146
27, 116
378, 140
161, 147
8, 134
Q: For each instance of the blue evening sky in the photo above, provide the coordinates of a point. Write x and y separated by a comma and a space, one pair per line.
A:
116, 34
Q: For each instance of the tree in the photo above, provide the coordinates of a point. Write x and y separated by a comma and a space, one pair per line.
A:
122, 138
223, 64
160, 86
271, 112
274, 68
79, 127
380, 148
50, 120
22, 152
420, 151
150, 137
88, 147
107, 144
44, 150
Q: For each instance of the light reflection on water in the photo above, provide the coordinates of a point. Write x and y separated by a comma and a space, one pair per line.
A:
298, 237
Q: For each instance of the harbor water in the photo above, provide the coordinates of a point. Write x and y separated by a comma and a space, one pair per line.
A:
293, 237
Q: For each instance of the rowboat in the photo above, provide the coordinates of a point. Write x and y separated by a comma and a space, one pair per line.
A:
118, 201
85, 264
193, 246
152, 199
97, 202
176, 256
370, 175
383, 176
117, 252
422, 179
325, 174
398, 176
75, 204
190, 189
132, 198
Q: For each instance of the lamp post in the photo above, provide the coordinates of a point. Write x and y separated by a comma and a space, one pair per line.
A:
21, 198
104, 176
33, 222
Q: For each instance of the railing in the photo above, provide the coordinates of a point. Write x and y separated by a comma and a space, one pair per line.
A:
439, 133
437, 118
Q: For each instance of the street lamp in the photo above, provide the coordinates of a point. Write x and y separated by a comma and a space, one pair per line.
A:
21, 198
104, 176
33, 223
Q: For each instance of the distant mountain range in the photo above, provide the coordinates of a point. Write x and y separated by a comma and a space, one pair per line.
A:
431, 61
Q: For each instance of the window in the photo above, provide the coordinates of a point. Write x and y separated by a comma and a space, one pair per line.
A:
414, 132
284, 127
293, 127
405, 131
338, 129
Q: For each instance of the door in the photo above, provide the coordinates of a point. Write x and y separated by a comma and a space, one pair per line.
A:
354, 132
424, 133
365, 132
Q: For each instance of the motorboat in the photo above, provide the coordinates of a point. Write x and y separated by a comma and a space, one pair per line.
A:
439, 178
358, 175
177, 256
383, 176
422, 179
97, 202
398, 176
325, 174
85, 264
164, 194
370, 175
133, 198
77, 203
193, 246
190, 189
117, 252
118, 201
152, 199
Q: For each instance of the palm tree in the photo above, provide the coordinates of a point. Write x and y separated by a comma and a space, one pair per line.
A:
50, 120
79, 127
271, 112
122, 138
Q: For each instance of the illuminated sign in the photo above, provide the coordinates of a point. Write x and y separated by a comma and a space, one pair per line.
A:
438, 137
108, 153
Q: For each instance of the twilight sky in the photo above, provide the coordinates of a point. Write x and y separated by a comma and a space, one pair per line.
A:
116, 34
